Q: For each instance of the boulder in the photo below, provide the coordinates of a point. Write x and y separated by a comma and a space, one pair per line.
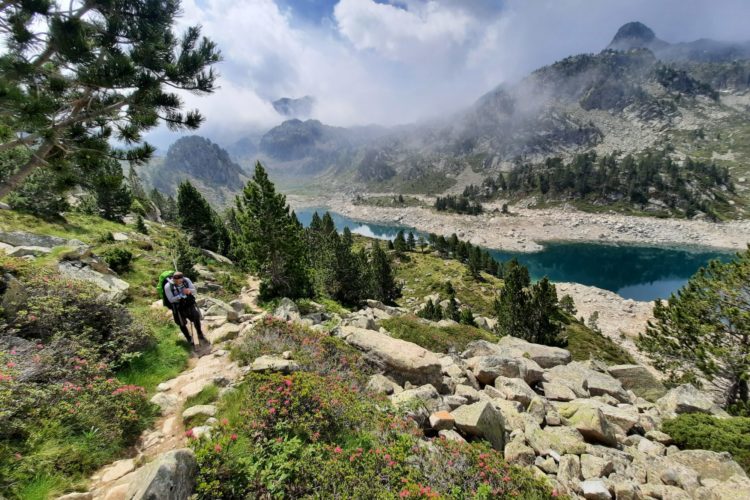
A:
451, 435
362, 322
117, 470
544, 356
269, 363
215, 256
114, 288
709, 465
487, 368
165, 402
227, 331
558, 392
170, 476
585, 382
402, 360
383, 385
515, 389
735, 487
23, 239
202, 410
442, 420
516, 452
569, 470
559, 440
28, 250
638, 379
482, 420
217, 307
687, 399
624, 416
287, 310
595, 490
425, 396
593, 467
590, 422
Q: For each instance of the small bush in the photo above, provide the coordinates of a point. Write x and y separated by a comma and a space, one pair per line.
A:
700, 431
119, 259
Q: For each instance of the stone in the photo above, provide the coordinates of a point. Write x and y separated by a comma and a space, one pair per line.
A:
544, 356
451, 435
594, 467
202, 410
113, 287
659, 437
362, 322
454, 401
517, 453
216, 307
537, 408
602, 384
512, 414
687, 399
590, 422
709, 465
118, 492
548, 465
625, 490
595, 490
269, 363
165, 402
28, 250
227, 331
287, 310
639, 379
23, 239
87, 495
118, 470
215, 256
734, 487
515, 389
402, 360
427, 396
170, 476
557, 392
569, 469
442, 420
625, 416
472, 395
487, 368
663, 492
482, 420
383, 385
120, 237
561, 440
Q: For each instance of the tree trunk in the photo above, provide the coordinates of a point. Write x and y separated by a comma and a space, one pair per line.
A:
26, 170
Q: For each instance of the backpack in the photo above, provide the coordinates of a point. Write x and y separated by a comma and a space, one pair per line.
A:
163, 277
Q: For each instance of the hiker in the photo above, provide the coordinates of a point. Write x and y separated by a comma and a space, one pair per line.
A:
179, 291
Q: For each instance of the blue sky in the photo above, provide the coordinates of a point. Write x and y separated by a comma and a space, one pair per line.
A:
398, 61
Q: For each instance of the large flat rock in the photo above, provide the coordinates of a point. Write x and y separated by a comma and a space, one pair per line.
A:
404, 361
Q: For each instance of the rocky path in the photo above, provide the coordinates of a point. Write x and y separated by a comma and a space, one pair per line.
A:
123, 479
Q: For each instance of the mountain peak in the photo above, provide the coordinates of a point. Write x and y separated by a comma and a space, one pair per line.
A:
634, 35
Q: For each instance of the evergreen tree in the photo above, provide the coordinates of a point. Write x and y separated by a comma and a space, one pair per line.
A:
512, 305
113, 197
184, 257
270, 239
411, 243
399, 243
451, 310
542, 326
568, 305
140, 225
421, 243
384, 286
38, 195
81, 75
467, 317
703, 331
476, 263
200, 221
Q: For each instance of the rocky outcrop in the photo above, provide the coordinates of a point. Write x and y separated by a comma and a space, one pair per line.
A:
403, 360
113, 287
688, 399
23, 239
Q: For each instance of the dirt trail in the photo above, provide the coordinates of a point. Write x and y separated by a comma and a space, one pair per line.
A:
112, 481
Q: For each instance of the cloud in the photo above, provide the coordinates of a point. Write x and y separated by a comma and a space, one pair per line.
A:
397, 61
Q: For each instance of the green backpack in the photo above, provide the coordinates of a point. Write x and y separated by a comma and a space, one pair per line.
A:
163, 277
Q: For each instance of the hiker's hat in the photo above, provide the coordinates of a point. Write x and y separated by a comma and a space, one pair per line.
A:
178, 275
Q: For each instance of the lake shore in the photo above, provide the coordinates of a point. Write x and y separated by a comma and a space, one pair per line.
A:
527, 230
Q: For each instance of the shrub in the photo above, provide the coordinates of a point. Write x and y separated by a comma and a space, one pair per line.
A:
700, 431
119, 259
40, 195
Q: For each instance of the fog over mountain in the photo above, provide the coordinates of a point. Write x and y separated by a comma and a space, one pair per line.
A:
367, 61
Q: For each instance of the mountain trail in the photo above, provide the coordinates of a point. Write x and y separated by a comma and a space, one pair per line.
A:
113, 481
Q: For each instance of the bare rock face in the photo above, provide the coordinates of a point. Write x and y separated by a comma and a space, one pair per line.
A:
688, 399
403, 361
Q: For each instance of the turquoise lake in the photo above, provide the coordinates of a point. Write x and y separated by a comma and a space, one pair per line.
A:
634, 272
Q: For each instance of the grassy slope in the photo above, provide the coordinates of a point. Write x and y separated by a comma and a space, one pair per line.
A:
452, 338
170, 354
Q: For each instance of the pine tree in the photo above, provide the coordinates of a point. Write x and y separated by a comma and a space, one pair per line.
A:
113, 197
703, 331
451, 310
476, 263
512, 306
399, 243
467, 317
421, 243
185, 257
411, 243
140, 225
543, 328
81, 75
270, 240
200, 221
384, 286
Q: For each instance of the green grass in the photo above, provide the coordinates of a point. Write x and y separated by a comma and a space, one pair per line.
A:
390, 201
162, 362
44, 487
584, 343
425, 274
433, 338
208, 395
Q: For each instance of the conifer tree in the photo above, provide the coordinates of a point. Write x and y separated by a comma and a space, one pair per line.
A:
270, 239
512, 305
399, 243
411, 243
384, 286
476, 263
703, 331
200, 221
140, 225
113, 198
422, 243
80, 75
451, 310
467, 317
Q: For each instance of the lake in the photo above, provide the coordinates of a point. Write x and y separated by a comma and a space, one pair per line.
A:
634, 272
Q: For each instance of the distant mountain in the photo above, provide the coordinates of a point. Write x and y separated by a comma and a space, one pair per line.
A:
295, 108
200, 161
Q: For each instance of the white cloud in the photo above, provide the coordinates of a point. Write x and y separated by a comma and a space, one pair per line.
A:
374, 62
